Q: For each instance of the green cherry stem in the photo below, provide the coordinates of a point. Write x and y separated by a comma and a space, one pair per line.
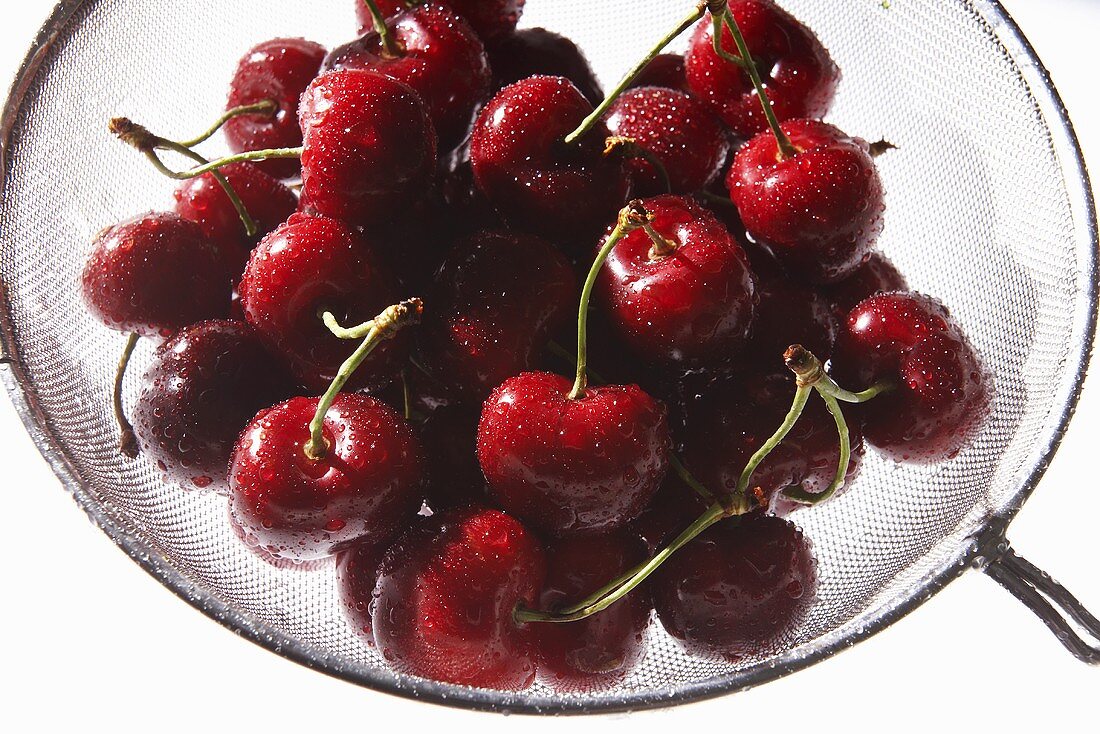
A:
127, 441
589, 122
383, 326
801, 396
264, 107
391, 49
687, 478
340, 332
809, 498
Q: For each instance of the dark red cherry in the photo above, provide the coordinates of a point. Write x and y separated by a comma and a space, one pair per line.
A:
366, 486
730, 419
531, 176
369, 147
278, 70
738, 589
154, 274
497, 299
572, 465
441, 59
202, 387
675, 129
537, 51
305, 267
942, 389
446, 595
204, 202
690, 305
357, 570
489, 18
876, 275
600, 651
820, 210
789, 313
798, 74
663, 70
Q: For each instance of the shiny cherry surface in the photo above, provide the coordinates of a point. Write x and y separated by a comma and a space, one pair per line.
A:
876, 275
489, 18
663, 70
357, 570
537, 51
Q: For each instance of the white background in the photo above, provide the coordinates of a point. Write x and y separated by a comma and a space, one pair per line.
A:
91, 641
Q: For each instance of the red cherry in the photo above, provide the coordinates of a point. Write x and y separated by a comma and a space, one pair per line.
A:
663, 70
789, 313
203, 386
539, 52
942, 389
253, 545
446, 595
572, 465
489, 18
691, 305
440, 58
600, 651
203, 201
497, 299
738, 589
876, 275
277, 70
366, 485
534, 179
356, 576
797, 71
819, 210
305, 267
154, 274
675, 129
369, 147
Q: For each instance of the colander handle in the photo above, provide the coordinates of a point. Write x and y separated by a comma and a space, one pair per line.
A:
1060, 610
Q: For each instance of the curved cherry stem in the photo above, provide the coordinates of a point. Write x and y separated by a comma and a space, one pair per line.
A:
391, 49
629, 148
801, 396
687, 478
383, 326
341, 332
127, 441
800, 495
559, 351
589, 122
264, 107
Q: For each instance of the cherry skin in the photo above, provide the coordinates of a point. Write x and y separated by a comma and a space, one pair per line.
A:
445, 599
305, 267
203, 201
820, 210
598, 652
253, 545
787, 313
663, 70
489, 18
942, 389
497, 299
537, 51
737, 589
369, 147
672, 510
367, 485
441, 59
154, 274
357, 570
202, 387
677, 130
533, 178
799, 76
277, 70
690, 306
876, 275
572, 465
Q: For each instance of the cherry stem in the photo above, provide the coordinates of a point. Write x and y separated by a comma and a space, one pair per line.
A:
631, 217
801, 396
127, 441
352, 332
589, 122
786, 149
559, 351
406, 396
629, 148
391, 49
687, 478
266, 107
809, 498
383, 326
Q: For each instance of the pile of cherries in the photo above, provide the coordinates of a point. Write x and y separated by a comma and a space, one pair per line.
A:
494, 522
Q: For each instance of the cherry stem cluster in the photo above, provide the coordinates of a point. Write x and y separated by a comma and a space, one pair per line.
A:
383, 326
127, 441
391, 48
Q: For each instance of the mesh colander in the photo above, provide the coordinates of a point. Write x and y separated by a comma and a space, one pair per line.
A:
989, 209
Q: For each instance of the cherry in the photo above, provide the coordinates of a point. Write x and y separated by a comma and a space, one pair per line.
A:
799, 76
568, 465
445, 598
277, 70
530, 175
203, 201
789, 313
663, 70
369, 148
356, 576
365, 485
253, 546
202, 387
675, 129
437, 54
818, 210
306, 266
497, 299
738, 589
489, 18
942, 391
678, 290
537, 51
876, 275
154, 274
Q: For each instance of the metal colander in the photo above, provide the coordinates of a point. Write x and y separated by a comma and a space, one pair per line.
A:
988, 205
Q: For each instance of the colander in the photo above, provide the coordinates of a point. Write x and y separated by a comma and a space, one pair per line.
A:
989, 208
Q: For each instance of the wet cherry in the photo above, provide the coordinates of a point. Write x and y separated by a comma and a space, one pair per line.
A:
876, 275
489, 18
537, 51
663, 70
357, 570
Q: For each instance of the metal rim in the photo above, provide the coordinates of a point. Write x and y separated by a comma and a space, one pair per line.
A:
1067, 150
